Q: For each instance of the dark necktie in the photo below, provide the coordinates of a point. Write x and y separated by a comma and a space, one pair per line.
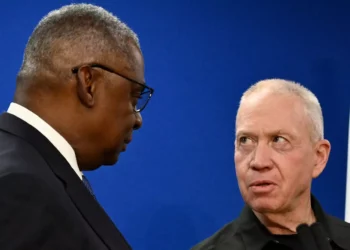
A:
88, 186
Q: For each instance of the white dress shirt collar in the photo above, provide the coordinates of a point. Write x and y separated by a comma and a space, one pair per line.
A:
50, 133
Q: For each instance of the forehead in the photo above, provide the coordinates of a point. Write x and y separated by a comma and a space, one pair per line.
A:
271, 112
134, 64
130, 65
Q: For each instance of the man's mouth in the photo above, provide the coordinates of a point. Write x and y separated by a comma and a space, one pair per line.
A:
126, 142
262, 186
262, 183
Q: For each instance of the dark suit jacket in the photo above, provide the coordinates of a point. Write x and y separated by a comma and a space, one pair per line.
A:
43, 203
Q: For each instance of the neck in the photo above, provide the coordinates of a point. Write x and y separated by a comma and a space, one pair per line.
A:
286, 222
54, 113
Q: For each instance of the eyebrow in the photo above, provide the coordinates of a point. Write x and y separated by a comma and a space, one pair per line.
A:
270, 133
139, 88
245, 132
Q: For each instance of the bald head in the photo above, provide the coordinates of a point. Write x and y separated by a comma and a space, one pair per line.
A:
283, 87
75, 34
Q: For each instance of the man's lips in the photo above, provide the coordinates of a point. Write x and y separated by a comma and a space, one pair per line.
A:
126, 142
261, 183
262, 187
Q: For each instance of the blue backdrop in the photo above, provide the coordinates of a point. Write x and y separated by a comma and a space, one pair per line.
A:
176, 184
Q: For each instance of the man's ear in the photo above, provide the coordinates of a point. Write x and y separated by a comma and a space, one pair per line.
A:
322, 150
86, 86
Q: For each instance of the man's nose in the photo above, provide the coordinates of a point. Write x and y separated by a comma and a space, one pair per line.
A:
138, 121
261, 158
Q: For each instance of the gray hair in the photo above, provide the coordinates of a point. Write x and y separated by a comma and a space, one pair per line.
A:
76, 28
309, 100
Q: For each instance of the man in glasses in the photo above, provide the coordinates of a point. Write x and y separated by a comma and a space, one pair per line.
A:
78, 99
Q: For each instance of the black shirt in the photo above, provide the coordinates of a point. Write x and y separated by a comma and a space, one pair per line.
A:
247, 233
290, 241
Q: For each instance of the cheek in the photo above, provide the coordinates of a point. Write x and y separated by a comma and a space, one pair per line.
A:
241, 160
122, 124
116, 123
120, 112
295, 171
241, 167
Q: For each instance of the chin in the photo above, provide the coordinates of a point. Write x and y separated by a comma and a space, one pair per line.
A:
264, 205
110, 159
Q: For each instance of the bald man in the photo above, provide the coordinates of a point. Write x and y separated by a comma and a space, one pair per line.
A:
78, 98
279, 149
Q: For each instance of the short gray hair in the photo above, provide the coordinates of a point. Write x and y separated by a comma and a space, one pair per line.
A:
309, 100
91, 27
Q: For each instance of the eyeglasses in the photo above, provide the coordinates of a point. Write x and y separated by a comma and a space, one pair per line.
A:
146, 92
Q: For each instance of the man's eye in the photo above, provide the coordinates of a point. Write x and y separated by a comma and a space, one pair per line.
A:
244, 140
137, 95
279, 139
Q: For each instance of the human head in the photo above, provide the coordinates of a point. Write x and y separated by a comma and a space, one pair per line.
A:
279, 146
92, 106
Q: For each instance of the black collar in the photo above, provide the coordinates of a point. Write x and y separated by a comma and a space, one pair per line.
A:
256, 236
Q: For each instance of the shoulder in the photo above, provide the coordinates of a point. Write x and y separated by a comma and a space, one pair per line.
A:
18, 185
18, 156
339, 230
30, 193
338, 225
32, 209
219, 238
22, 193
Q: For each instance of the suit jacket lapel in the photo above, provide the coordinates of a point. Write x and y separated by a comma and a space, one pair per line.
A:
84, 201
